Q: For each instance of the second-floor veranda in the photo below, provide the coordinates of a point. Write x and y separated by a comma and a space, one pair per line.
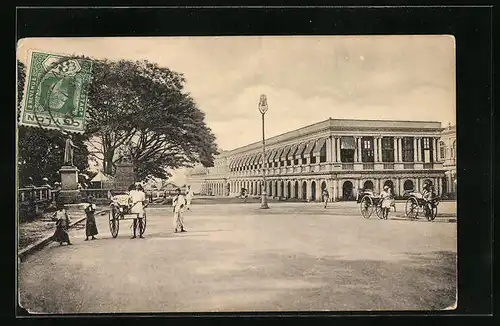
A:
337, 153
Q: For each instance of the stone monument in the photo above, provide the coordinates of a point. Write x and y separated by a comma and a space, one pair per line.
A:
124, 176
69, 193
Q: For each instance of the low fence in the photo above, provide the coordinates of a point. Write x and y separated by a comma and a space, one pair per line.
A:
101, 196
32, 201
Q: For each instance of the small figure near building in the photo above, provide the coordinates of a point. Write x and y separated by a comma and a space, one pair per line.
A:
189, 197
326, 197
178, 204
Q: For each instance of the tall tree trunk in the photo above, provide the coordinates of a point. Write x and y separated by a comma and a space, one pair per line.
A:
108, 162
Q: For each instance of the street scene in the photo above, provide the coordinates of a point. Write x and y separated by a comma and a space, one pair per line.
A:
235, 257
152, 178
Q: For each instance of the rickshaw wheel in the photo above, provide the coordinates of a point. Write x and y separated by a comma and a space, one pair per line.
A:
411, 208
114, 222
366, 206
143, 225
379, 211
433, 213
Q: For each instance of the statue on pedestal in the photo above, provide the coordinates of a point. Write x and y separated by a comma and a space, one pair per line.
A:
68, 151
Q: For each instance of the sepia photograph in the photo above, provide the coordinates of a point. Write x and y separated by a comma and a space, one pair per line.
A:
197, 174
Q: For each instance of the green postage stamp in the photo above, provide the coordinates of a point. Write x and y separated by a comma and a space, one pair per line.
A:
56, 92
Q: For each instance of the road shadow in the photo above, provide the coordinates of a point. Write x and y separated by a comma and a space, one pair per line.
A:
422, 219
302, 282
208, 231
172, 235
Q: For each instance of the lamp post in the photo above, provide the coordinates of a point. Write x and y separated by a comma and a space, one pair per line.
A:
263, 109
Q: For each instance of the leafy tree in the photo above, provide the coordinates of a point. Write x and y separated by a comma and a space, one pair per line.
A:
138, 111
41, 151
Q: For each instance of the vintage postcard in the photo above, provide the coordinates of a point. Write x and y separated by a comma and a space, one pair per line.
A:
237, 174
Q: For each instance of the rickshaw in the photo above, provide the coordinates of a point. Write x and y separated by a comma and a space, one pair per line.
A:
416, 204
120, 207
370, 202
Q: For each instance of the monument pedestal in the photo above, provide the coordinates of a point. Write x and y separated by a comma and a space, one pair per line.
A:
124, 176
69, 193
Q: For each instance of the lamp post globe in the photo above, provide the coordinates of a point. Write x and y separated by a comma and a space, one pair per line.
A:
263, 109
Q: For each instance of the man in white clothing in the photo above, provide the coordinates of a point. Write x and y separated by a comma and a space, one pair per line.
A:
189, 197
178, 204
138, 199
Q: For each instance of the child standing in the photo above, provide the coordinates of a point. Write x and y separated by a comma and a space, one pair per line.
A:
90, 225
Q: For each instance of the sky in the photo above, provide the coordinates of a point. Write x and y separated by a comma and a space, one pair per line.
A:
306, 79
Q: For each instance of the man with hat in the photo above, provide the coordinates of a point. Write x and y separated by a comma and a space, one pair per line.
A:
30, 183
46, 183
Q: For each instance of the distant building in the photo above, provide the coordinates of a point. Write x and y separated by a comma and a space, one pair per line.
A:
196, 176
448, 155
102, 181
340, 155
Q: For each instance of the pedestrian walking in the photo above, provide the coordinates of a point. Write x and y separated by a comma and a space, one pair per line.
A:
138, 199
326, 197
90, 225
178, 203
61, 234
189, 197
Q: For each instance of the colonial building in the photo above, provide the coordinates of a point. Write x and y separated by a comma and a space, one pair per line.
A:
447, 155
340, 155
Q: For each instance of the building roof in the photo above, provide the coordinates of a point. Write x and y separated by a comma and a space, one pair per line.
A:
345, 126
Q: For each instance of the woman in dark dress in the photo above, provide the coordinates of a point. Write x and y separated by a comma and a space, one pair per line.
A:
62, 225
90, 225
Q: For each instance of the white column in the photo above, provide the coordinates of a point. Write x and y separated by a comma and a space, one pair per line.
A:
419, 147
308, 190
336, 140
375, 150
356, 149
335, 189
328, 149
318, 190
396, 187
415, 149
400, 149
333, 143
360, 157
380, 149
396, 154
435, 145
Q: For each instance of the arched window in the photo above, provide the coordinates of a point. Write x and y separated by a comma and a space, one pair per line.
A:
442, 153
